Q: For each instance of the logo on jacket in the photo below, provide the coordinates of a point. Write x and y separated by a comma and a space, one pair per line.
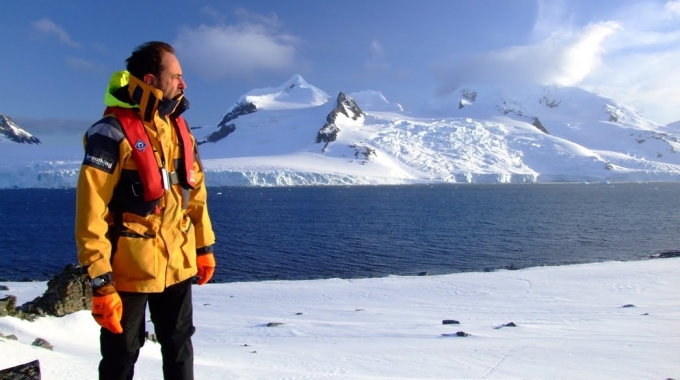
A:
140, 145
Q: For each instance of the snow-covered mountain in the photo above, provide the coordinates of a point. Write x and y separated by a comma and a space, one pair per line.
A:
12, 132
296, 134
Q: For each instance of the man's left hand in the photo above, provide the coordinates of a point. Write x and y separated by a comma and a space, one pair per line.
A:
206, 267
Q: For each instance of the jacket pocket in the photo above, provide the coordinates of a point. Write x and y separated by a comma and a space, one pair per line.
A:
136, 256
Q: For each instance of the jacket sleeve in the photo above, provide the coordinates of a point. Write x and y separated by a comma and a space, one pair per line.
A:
198, 209
97, 180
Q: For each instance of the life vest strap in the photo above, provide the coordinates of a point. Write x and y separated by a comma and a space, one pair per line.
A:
145, 159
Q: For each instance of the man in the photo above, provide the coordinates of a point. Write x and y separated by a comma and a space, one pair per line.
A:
142, 224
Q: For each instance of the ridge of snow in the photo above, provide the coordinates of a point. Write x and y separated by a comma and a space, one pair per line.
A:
294, 93
372, 100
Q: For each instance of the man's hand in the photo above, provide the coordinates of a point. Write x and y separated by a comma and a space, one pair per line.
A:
107, 308
206, 267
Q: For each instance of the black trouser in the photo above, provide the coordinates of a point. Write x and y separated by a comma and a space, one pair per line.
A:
172, 317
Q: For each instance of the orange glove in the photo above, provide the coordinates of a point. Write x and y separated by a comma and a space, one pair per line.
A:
107, 308
206, 267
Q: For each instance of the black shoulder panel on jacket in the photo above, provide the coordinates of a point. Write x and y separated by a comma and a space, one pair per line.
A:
102, 147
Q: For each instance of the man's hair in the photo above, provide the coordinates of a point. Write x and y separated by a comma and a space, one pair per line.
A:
146, 58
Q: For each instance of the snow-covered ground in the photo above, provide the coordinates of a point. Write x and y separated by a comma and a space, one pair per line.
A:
613, 320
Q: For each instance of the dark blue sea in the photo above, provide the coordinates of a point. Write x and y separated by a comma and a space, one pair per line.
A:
354, 232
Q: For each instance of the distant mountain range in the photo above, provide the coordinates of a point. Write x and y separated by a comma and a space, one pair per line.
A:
296, 134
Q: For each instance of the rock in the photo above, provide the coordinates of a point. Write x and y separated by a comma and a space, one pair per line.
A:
274, 324
66, 293
3, 287
40, 342
628, 305
450, 322
8, 306
344, 105
151, 337
666, 254
28, 371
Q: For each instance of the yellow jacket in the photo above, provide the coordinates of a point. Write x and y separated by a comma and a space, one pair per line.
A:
156, 244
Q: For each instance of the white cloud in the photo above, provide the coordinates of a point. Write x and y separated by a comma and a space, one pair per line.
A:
254, 44
673, 8
48, 27
84, 65
640, 64
630, 57
563, 59
378, 50
377, 61
212, 13
551, 16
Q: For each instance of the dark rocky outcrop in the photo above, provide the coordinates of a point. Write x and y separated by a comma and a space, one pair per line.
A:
346, 106
366, 152
218, 135
224, 127
8, 305
28, 371
666, 254
242, 108
469, 94
9, 337
551, 103
68, 292
537, 123
42, 343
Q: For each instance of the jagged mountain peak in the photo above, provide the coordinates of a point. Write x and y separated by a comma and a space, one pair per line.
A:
13, 132
348, 106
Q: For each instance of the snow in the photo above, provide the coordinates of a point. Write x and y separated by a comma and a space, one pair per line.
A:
296, 93
495, 137
612, 320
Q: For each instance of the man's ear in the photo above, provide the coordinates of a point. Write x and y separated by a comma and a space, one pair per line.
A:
148, 79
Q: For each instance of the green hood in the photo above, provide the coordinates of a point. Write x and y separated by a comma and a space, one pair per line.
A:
118, 79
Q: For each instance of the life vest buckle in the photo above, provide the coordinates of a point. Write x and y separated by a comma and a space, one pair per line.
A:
139, 190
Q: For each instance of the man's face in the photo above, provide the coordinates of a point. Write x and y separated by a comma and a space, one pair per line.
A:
170, 79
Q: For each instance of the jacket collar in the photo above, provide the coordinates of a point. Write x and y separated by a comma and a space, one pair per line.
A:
150, 99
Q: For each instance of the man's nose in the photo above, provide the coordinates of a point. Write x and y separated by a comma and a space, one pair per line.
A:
182, 84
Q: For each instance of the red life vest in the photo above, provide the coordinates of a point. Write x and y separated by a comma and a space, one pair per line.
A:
142, 151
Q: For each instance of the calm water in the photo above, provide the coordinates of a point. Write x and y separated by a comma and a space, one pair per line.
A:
351, 232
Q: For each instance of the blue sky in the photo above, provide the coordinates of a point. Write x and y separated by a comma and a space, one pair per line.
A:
57, 56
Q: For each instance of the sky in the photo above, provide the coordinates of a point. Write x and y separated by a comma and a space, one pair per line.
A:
57, 57
612, 320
